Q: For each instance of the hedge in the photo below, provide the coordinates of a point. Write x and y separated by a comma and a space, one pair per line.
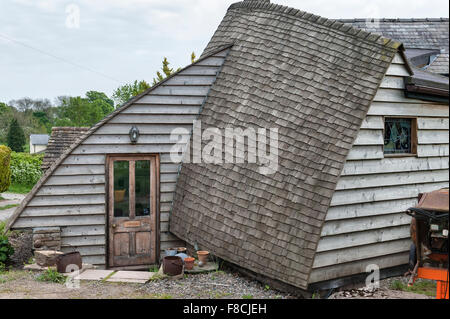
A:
25, 168
5, 170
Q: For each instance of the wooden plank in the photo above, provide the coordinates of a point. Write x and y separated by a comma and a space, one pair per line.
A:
123, 149
168, 187
365, 153
433, 137
337, 227
369, 137
176, 90
343, 270
86, 251
144, 129
171, 100
166, 197
346, 255
172, 244
95, 260
408, 109
169, 168
396, 96
168, 177
211, 61
70, 200
162, 109
373, 123
84, 159
71, 190
76, 180
432, 123
368, 195
398, 59
164, 226
164, 217
60, 221
369, 209
64, 211
192, 80
436, 150
68, 170
363, 238
393, 82
403, 178
397, 70
394, 165
73, 231
83, 241
153, 119
200, 70
143, 139
168, 237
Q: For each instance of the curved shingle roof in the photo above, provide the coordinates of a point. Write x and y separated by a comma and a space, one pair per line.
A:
314, 80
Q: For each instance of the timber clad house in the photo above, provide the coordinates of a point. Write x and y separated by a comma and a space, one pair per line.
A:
362, 131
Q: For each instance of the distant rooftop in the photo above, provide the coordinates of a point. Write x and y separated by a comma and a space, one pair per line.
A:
39, 139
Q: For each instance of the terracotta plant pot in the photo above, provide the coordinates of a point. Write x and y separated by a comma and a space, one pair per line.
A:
189, 263
203, 256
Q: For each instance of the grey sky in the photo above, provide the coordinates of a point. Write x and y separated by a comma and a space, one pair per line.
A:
43, 54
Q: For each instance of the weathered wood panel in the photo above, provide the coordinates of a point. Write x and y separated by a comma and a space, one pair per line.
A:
394, 165
369, 209
143, 139
363, 238
433, 137
437, 150
373, 123
144, 129
365, 153
357, 267
409, 109
369, 137
403, 178
347, 197
346, 255
337, 227
366, 223
71, 190
74, 196
64, 211
433, 124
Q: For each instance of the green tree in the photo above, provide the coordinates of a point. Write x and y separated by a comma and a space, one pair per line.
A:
5, 170
125, 92
78, 111
16, 137
166, 72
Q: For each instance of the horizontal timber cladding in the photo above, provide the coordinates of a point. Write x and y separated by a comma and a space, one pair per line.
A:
366, 223
73, 197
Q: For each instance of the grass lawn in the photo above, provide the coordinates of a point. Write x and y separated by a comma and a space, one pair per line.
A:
420, 287
19, 189
1, 198
8, 206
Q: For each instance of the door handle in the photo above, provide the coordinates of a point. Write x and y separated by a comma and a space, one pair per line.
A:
114, 225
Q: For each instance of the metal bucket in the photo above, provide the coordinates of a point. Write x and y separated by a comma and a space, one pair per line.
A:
172, 265
69, 262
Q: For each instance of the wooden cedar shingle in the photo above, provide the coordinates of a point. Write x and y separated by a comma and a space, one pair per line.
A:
314, 80
60, 140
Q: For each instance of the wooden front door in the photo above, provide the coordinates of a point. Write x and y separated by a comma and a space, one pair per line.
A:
132, 210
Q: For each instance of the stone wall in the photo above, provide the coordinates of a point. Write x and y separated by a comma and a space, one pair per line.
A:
48, 238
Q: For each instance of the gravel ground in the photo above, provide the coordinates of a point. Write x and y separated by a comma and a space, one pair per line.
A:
384, 292
20, 284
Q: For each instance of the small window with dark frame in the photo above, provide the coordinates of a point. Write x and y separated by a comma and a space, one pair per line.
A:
399, 136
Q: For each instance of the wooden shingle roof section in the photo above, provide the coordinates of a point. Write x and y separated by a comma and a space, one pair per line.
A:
314, 80
60, 140
426, 33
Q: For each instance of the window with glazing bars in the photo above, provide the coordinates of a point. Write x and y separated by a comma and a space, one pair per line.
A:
400, 136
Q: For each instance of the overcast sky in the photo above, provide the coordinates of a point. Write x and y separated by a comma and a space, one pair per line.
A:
46, 51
